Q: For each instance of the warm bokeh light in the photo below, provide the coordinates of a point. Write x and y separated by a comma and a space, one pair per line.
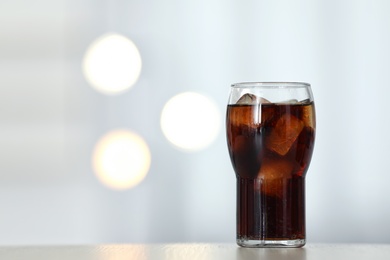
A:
121, 159
112, 64
190, 121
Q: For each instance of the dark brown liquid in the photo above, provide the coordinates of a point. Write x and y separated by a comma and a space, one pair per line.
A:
270, 147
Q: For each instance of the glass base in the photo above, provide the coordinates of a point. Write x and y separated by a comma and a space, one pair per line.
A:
271, 243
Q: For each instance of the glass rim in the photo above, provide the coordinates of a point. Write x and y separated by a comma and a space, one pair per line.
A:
271, 84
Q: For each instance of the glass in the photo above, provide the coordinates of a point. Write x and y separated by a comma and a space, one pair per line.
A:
270, 129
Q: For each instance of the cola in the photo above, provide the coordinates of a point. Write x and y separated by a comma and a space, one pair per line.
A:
270, 147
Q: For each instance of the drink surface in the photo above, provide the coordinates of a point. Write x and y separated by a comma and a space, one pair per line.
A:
270, 146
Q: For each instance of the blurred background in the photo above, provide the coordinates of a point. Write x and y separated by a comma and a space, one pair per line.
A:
95, 97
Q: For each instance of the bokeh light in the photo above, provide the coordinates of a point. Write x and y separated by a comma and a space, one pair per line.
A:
121, 159
190, 121
112, 64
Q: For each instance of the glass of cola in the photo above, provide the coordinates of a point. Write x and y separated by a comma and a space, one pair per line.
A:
270, 128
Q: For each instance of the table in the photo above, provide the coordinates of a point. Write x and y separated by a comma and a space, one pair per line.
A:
196, 251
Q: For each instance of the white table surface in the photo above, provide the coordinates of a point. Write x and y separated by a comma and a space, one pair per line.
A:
197, 251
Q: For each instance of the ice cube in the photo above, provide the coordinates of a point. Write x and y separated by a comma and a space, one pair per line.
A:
250, 115
284, 134
247, 99
273, 172
305, 101
243, 116
250, 99
308, 116
290, 101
